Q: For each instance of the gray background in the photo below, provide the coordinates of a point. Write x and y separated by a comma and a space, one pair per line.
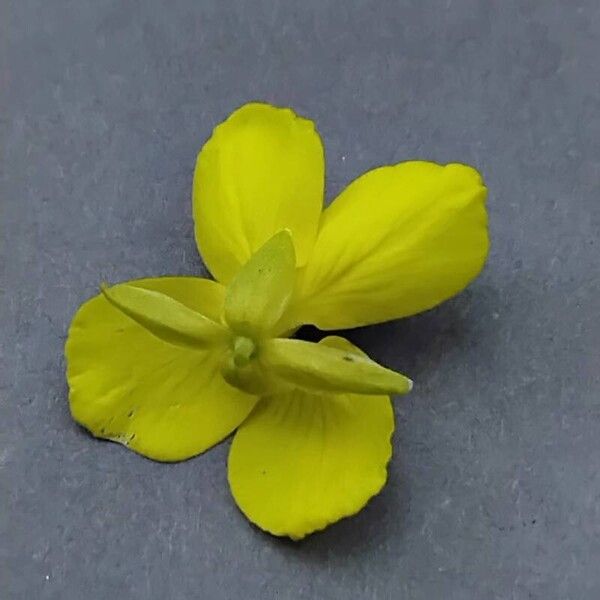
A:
494, 489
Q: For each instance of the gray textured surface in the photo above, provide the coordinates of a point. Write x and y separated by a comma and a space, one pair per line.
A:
494, 489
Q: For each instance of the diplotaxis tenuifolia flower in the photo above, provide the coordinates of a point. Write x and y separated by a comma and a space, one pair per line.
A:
171, 366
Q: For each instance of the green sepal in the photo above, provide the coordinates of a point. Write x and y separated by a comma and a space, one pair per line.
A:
165, 317
260, 292
251, 378
322, 367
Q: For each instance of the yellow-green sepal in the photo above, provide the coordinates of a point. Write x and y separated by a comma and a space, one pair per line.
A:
330, 367
252, 378
165, 317
260, 292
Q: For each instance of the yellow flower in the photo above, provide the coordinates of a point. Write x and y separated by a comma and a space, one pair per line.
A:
171, 366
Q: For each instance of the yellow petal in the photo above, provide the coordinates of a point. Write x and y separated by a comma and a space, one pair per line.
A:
397, 241
166, 402
261, 171
304, 460
261, 290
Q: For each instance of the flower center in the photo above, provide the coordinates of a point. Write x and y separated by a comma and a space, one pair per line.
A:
244, 349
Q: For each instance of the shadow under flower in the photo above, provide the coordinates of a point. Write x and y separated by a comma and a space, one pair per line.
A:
412, 345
